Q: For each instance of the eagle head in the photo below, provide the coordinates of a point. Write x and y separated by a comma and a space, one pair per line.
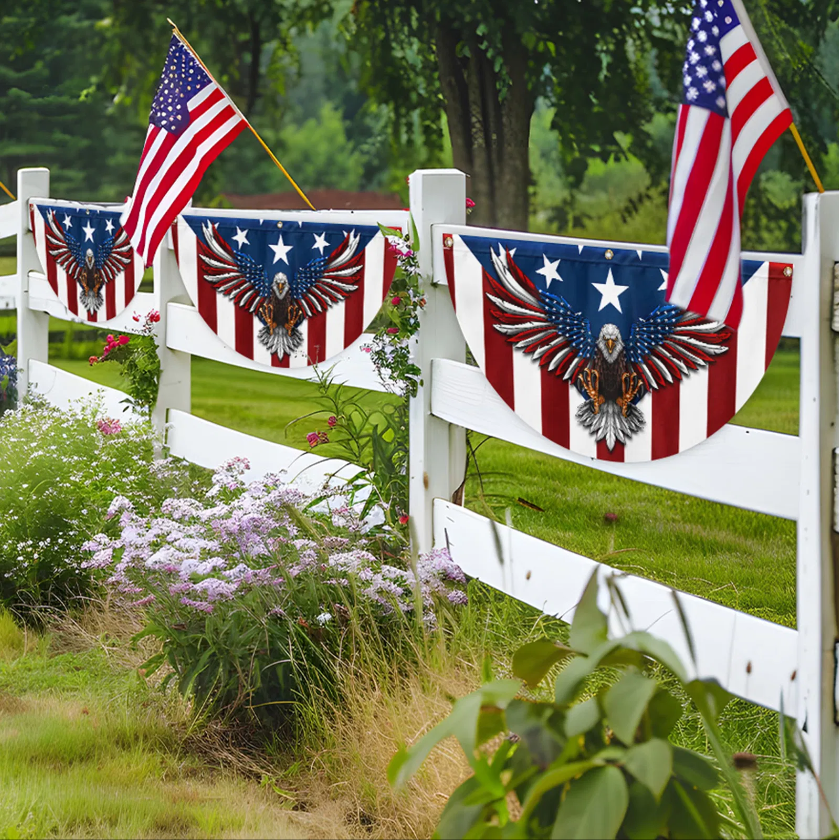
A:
89, 258
610, 343
279, 285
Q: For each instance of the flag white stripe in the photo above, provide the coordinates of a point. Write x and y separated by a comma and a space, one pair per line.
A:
640, 446
693, 408
705, 229
300, 357
335, 318
579, 439
751, 353
694, 129
469, 297
732, 41
743, 82
753, 130
374, 269
724, 295
527, 389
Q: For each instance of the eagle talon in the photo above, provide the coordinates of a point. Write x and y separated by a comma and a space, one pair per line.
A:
591, 383
631, 386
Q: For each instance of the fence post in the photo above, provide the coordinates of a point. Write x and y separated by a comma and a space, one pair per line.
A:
32, 326
816, 580
437, 450
175, 365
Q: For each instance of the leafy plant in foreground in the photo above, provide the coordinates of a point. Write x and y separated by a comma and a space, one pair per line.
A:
8, 382
594, 762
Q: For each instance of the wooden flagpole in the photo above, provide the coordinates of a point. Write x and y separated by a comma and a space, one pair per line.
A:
282, 169
806, 157
6, 190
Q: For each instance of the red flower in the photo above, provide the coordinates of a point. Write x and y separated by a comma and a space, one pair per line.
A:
135, 317
403, 520
469, 204
154, 316
393, 330
332, 421
396, 300
93, 359
312, 439
123, 340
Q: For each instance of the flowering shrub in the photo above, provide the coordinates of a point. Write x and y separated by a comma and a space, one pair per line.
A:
139, 363
8, 382
253, 601
61, 469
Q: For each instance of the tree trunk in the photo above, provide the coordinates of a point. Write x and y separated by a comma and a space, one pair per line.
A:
489, 136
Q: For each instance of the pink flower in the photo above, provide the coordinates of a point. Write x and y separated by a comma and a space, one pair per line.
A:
110, 339
108, 426
403, 520
313, 439
469, 203
396, 300
123, 340
393, 330
367, 348
332, 421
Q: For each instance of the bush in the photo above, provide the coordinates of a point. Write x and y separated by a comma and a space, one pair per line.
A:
8, 382
61, 470
596, 760
255, 601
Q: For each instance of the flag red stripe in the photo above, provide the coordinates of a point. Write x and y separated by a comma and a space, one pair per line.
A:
499, 354
616, 455
448, 261
244, 331
354, 310
111, 296
679, 142
665, 420
207, 301
316, 341
556, 419
722, 387
129, 279
712, 271
748, 105
738, 61
695, 191
773, 131
779, 290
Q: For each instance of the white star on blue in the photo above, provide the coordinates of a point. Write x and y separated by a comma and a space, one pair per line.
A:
182, 78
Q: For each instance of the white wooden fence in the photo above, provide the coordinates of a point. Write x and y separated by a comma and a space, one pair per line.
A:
780, 475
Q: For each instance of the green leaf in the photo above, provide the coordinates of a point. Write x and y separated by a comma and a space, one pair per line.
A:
709, 692
457, 817
532, 661
589, 629
695, 769
646, 819
656, 649
539, 726
551, 779
594, 806
664, 711
582, 717
692, 814
625, 703
462, 722
651, 763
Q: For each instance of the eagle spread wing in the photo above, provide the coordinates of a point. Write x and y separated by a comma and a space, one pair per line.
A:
64, 248
113, 255
233, 273
670, 343
538, 322
327, 280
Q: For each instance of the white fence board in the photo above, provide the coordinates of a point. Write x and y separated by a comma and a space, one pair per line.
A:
9, 219
8, 291
188, 332
66, 389
753, 658
42, 299
748, 468
210, 445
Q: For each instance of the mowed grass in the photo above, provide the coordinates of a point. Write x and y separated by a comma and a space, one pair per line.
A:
87, 750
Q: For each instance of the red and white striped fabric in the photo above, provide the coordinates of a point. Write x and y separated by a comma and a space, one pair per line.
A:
192, 121
732, 111
677, 416
118, 293
325, 335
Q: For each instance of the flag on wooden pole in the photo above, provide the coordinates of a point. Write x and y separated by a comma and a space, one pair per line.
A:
192, 121
732, 111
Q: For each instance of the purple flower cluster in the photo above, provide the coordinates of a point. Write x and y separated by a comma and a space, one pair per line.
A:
249, 546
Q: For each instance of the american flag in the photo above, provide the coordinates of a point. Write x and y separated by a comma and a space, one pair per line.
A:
732, 112
192, 121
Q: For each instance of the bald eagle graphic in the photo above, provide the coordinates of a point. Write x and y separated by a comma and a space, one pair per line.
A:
281, 302
613, 373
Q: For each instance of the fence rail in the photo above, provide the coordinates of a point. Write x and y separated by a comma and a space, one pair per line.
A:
779, 475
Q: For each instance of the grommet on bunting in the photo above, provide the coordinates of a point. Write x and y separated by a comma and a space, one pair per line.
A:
788, 271
448, 241
609, 253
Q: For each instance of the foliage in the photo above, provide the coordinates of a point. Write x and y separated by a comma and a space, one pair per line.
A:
139, 364
8, 382
60, 472
253, 601
597, 767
